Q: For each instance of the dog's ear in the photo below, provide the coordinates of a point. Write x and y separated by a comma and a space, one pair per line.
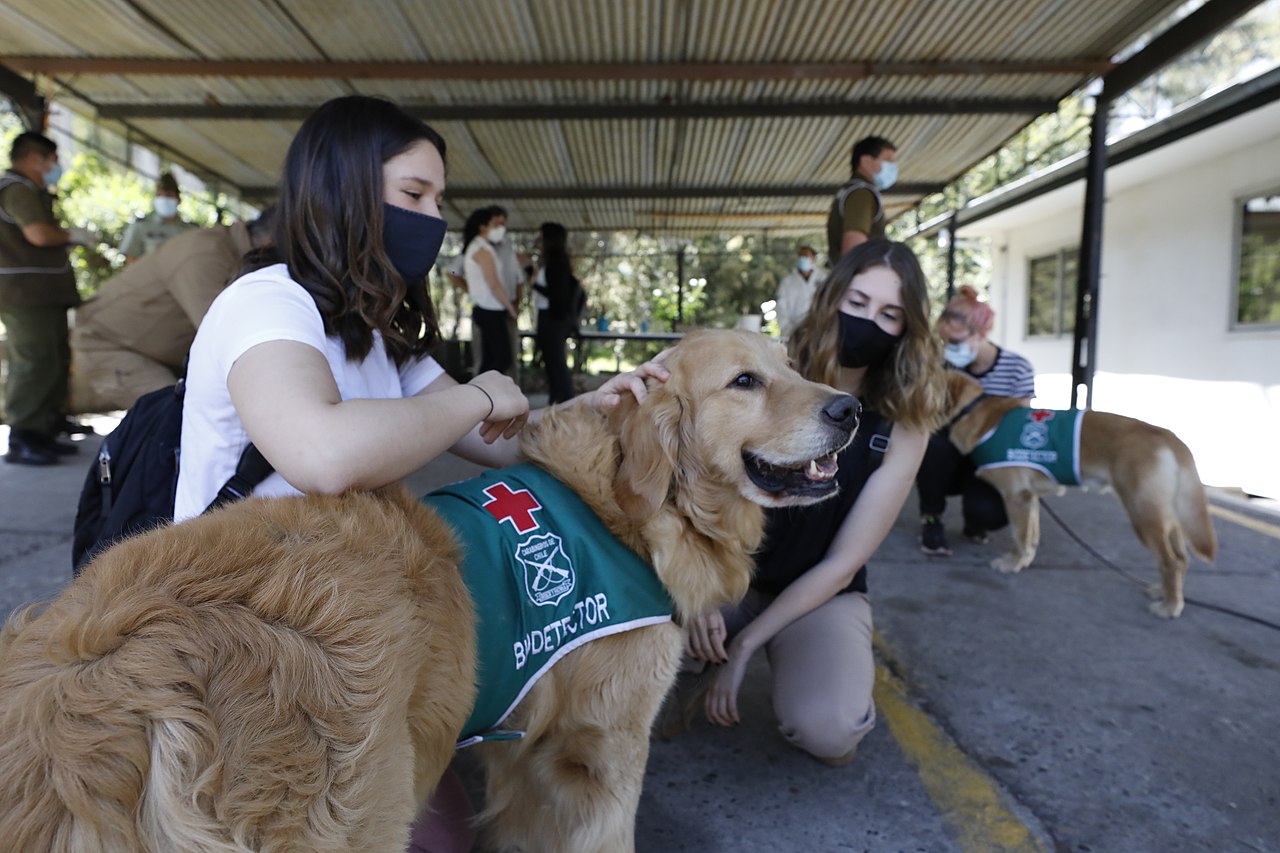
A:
649, 441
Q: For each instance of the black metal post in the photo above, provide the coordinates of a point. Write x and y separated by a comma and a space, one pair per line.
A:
1194, 29
1084, 348
679, 290
951, 255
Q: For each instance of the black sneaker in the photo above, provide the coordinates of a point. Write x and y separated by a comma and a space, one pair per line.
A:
933, 537
22, 452
70, 427
976, 535
54, 445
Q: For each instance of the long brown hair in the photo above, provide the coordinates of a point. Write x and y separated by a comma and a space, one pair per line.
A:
907, 387
329, 223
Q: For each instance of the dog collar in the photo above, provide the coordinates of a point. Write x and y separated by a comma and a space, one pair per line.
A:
969, 407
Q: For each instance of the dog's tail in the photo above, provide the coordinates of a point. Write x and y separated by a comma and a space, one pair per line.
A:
1192, 506
90, 710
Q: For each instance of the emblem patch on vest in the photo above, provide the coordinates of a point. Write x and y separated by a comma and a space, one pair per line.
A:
548, 571
1035, 434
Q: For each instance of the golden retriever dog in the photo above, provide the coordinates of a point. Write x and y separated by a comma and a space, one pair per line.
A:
1149, 468
293, 674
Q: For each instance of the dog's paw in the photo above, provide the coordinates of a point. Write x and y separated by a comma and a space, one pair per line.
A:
1155, 591
1009, 564
1165, 610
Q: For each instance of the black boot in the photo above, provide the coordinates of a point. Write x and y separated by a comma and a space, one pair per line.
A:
25, 449
73, 427
56, 446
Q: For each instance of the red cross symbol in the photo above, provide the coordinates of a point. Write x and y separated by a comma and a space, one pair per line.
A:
1041, 415
515, 507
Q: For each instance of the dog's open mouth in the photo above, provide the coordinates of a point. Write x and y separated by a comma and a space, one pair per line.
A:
815, 477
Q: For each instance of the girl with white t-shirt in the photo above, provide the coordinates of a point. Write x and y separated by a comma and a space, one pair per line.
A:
318, 356
491, 306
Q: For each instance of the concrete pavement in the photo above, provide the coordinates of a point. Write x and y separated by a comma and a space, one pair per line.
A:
1044, 711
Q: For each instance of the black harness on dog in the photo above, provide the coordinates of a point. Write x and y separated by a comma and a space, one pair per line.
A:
969, 407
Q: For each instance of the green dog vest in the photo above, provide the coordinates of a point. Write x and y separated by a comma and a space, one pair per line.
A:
546, 576
1044, 439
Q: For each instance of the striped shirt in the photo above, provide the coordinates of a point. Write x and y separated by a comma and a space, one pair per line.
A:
1010, 376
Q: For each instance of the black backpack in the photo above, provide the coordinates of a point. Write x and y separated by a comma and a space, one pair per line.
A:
132, 483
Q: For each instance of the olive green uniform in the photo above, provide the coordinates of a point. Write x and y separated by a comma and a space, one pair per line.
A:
37, 287
856, 207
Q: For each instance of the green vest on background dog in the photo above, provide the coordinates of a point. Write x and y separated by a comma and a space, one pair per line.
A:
1045, 439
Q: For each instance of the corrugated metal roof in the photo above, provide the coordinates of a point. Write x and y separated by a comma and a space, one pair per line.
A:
790, 148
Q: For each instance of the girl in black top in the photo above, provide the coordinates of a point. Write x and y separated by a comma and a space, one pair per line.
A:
868, 333
557, 287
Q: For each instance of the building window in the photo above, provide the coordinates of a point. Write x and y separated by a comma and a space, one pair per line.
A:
1258, 254
1051, 294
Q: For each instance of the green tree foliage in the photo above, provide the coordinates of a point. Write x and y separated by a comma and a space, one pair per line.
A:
1248, 47
91, 195
639, 282
635, 279
1044, 142
104, 196
1258, 300
99, 194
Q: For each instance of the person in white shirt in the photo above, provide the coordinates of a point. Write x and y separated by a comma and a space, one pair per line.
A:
492, 306
795, 292
514, 277
319, 357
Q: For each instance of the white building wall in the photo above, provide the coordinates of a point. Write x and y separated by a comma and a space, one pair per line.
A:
1167, 352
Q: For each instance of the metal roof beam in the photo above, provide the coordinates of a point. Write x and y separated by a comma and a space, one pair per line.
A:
633, 191
710, 71
1238, 100
1198, 27
22, 93
595, 112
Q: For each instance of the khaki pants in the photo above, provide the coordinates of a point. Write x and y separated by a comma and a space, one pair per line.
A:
823, 672
105, 377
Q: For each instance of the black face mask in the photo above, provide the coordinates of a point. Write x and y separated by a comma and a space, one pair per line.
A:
412, 242
862, 342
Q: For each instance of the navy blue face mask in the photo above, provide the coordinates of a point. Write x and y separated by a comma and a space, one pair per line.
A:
862, 343
412, 242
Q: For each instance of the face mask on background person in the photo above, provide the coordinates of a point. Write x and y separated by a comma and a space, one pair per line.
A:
959, 355
805, 264
412, 242
52, 175
862, 343
166, 206
888, 175
496, 233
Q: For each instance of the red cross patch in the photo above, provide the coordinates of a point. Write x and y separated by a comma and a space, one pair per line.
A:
516, 507
1041, 415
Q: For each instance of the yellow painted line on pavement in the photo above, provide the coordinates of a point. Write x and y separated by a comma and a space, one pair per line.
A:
969, 800
1248, 521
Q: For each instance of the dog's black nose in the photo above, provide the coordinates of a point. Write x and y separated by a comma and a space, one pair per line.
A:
842, 410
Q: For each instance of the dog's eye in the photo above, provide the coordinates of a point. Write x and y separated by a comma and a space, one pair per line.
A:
746, 380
